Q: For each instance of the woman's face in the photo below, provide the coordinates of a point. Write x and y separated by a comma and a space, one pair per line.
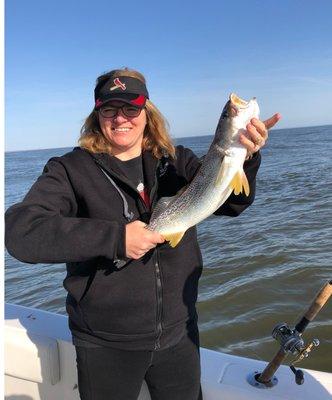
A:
124, 133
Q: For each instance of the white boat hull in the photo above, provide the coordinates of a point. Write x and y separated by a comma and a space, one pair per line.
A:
40, 365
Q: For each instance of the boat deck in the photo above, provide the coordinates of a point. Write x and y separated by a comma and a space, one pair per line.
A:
40, 365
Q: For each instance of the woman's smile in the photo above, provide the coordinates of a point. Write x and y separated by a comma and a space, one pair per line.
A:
121, 129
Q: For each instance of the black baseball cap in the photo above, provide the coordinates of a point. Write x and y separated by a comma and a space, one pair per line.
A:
123, 88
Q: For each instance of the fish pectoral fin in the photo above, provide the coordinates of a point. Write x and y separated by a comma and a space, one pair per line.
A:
222, 172
174, 238
240, 183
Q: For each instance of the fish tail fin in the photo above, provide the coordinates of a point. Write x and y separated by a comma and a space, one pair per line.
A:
240, 183
173, 238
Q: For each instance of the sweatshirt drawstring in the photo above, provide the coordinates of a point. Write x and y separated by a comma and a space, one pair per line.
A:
129, 215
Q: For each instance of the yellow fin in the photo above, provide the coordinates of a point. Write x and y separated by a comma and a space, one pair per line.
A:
173, 238
245, 184
240, 182
236, 183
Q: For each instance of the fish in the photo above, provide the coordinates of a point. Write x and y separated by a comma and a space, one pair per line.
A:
220, 174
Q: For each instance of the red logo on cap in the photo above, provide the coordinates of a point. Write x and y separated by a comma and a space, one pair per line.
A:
139, 101
118, 84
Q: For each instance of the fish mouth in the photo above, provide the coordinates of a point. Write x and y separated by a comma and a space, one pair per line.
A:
238, 102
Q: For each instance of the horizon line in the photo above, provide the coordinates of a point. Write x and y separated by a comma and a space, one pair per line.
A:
181, 137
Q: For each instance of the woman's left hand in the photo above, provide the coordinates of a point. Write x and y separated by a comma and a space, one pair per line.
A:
257, 133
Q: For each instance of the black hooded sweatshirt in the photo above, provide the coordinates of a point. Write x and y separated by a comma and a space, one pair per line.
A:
76, 212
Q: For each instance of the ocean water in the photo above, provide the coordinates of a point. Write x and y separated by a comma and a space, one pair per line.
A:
261, 268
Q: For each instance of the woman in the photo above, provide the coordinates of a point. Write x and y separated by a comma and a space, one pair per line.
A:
131, 297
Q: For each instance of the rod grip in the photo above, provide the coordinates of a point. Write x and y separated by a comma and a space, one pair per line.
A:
321, 298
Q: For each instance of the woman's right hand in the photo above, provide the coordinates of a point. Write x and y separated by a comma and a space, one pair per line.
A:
140, 240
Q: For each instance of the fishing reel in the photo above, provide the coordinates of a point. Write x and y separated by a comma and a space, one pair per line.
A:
289, 339
291, 342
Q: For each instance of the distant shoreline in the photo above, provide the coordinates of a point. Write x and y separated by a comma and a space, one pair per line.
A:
180, 138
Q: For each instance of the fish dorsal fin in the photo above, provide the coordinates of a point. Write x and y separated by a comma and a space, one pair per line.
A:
174, 238
164, 202
240, 183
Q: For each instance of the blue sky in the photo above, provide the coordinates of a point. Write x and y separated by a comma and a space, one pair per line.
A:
193, 55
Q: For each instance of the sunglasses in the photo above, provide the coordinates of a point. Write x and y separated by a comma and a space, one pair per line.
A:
127, 110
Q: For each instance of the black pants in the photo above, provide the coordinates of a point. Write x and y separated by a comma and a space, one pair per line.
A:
111, 374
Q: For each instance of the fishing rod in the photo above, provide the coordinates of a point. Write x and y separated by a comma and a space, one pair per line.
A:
291, 342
